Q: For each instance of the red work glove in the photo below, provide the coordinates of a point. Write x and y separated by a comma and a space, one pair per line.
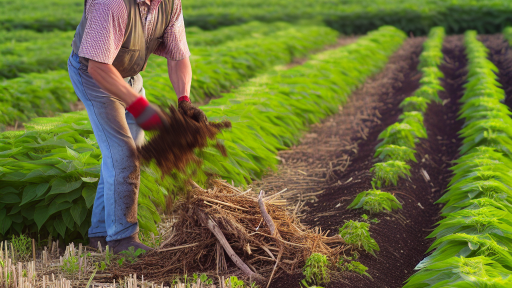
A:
186, 108
148, 116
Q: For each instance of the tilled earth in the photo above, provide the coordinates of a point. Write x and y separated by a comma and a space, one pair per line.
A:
341, 172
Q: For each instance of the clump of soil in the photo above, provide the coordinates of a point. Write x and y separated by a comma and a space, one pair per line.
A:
259, 230
173, 147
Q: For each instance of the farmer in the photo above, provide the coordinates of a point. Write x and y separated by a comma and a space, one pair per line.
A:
111, 46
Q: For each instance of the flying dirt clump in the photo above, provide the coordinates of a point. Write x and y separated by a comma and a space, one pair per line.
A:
173, 147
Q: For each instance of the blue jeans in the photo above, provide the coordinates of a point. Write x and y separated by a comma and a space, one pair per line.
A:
114, 213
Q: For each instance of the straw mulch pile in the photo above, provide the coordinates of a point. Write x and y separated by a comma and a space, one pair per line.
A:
224, 229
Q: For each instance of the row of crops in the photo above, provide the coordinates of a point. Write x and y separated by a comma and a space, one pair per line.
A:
398, 141
473, 241
227, 58
49, 173
348, 16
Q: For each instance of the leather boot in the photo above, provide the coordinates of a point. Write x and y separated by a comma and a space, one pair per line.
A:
120, 245
93, 242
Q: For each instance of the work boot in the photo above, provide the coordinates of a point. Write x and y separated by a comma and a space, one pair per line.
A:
93, 242
120, 245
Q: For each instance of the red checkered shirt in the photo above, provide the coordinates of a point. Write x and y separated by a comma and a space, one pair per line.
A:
106, 23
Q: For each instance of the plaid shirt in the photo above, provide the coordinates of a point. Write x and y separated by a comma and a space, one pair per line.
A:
106, 24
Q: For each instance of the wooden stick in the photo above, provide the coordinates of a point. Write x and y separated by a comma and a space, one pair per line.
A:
34, 249
266, 216
178, 247
214, 228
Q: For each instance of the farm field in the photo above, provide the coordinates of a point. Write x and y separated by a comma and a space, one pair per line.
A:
370, 146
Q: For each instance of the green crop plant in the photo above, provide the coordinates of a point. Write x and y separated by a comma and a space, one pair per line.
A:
474, 241
386, 173
461, 244
316, 269
399, 134
353, 266
394, 152
22, 245
53, 166
357, 234
477, 271
131, 255
375, 201
415, 103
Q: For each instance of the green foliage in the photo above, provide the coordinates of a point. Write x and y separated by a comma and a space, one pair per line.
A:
70, 265
353, 266
415, 103
349, 16
461, 272
358, 234
131, 254
316, 269
375, 201
386, 173
474, 241
21, 50
22, 246
394, 152
254, 48
219, 68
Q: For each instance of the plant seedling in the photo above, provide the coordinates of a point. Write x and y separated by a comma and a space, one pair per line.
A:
358, 234
131, 255
375, 201
316, 270
22, 246
388, 172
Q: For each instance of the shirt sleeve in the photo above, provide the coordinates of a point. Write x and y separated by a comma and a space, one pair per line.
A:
104, 32
174, 46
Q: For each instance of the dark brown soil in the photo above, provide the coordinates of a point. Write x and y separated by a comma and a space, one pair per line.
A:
173, 146
501, 55
400, 235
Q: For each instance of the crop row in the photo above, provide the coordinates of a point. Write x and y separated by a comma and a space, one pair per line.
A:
349, 16
22, 55
54, 165
399, 139
216, 69
473, 242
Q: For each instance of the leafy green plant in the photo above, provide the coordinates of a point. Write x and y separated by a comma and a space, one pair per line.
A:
131, 254
477, 271
386, 173
399, 134
375, 201
70, 265
353, 266
316, 269
22, 245
358, 234
394, 152
414, 103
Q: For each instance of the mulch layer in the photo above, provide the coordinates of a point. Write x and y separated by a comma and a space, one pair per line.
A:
501, 55
401, 234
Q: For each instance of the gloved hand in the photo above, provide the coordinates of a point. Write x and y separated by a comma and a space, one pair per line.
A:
186, 108
148, 116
